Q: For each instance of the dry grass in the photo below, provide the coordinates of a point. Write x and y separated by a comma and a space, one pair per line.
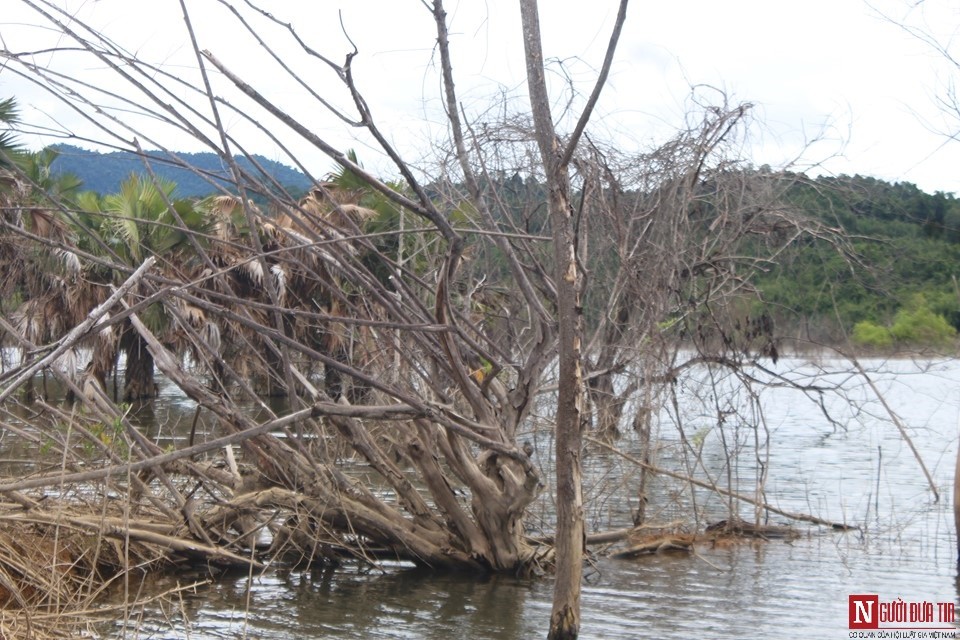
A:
53, 572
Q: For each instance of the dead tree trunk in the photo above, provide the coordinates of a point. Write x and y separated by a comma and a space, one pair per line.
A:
569, 540
568, 281
138, 380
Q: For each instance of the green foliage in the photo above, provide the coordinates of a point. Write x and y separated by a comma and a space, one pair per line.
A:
869, 334
390, 230
916, 325
109, 434
9, 147
140, 222
920, 326
48, 184
902, 241
700, 437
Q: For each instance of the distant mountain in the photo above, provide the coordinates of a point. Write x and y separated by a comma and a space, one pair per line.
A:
103, 172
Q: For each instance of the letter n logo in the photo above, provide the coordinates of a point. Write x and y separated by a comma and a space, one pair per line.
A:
863, 612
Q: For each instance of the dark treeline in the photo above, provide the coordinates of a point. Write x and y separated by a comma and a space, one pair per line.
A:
906, 257
905, 242
902, 253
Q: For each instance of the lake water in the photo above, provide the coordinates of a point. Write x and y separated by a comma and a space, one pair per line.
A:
858, 470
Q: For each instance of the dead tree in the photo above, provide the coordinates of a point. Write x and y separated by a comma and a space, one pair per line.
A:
568, 280
456, 400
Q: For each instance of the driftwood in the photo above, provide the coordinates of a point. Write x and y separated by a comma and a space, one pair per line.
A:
668, 538
659, 544
161, 543
614, 535
742, 528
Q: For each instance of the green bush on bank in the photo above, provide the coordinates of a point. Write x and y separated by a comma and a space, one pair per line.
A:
923, 327
870, 334
918, 325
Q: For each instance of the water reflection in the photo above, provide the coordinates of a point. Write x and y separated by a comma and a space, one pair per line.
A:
744, 591
347, 604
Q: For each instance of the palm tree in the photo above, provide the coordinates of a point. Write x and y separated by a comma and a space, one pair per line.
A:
11, 187
42, 288
322, 278
143, 219
44, 181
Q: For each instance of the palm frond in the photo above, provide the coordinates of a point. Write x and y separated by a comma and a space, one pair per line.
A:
8, 111
140, 220
10, 149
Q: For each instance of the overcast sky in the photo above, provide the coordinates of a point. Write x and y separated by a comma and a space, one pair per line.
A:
836, 88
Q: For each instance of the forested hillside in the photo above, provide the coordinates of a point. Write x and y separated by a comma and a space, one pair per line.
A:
889, 254
103, 172
903, 257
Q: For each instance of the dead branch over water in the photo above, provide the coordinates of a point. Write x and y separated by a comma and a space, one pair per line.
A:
800, 517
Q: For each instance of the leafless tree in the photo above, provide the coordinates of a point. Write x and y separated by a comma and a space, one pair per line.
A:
455, 408
556, 155
526, 280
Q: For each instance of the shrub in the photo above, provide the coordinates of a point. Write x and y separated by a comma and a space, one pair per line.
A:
868, 334
921, 326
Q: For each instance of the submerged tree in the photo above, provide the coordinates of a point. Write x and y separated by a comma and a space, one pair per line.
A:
456, 426
421, 329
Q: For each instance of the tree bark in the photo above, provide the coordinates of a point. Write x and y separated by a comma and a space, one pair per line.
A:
565, 617
139, 383
568, 279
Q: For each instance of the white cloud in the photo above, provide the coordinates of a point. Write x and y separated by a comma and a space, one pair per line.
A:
821, 69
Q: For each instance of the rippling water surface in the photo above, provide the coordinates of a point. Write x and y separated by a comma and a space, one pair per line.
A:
862, 473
